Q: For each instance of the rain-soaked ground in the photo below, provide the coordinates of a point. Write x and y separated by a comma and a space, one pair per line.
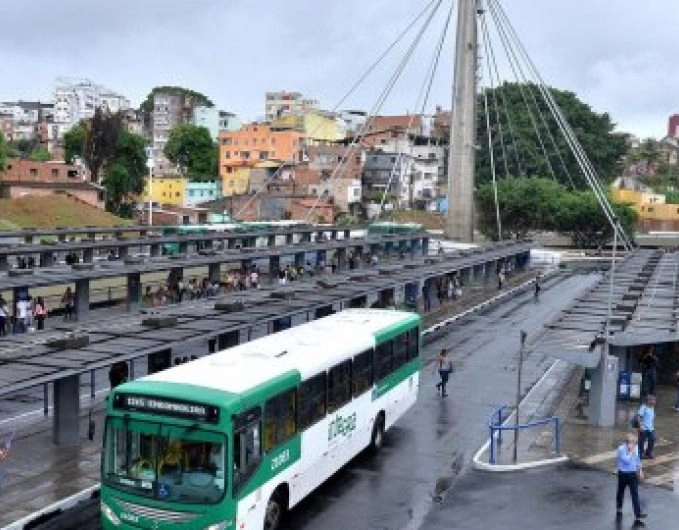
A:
423, 479
427, 456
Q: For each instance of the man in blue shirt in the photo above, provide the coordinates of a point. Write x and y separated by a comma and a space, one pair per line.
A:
647, 427
629, 473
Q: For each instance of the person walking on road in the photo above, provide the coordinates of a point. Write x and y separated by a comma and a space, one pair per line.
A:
537, 288
5, 446
629, 473
646, 427
445, 367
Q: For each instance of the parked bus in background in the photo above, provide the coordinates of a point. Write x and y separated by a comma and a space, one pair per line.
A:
235, 439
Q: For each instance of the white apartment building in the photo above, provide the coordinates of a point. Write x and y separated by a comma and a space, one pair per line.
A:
279, 103
76, 99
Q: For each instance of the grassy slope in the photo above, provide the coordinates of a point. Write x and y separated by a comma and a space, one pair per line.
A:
51, 212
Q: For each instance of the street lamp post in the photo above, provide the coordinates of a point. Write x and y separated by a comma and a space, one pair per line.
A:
150, 164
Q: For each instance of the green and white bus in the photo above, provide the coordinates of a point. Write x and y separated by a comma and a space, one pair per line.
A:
235, 439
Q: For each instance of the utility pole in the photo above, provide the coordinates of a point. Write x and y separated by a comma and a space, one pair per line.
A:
518, 397
460, 215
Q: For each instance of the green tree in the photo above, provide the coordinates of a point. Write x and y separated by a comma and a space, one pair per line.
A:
580, 216
124, 178
525, 204
193, 97
74, 142
522, 152
101, 140
40, 155
194, 151
4, 152
22, 148
119, 155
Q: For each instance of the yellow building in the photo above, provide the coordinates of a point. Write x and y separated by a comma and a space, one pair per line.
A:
650, 206
314, 125
167, 190
236, 181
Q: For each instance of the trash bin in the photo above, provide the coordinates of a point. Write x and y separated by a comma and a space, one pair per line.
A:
624, 383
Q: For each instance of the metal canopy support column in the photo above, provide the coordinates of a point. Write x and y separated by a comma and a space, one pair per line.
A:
274, 268
155, 250
66, 419
82, 298
133, 291
460, 215
214, 272
299, 260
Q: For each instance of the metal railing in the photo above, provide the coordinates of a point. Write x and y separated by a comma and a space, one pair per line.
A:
497, 428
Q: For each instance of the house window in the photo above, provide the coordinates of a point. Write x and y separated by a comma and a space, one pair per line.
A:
55, 172
177, 194
263, 155
33, 172
227, 154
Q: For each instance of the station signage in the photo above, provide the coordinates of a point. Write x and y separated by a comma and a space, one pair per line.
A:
167, 407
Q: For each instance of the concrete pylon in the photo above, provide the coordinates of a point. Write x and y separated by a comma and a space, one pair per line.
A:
460, 214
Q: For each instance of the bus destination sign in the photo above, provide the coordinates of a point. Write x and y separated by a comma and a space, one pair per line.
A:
167, 407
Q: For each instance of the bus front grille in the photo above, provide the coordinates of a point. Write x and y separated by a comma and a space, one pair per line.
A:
160, 515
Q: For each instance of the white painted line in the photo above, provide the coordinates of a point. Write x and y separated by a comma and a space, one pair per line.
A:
484, 466
64, 504
665, 478
83, 397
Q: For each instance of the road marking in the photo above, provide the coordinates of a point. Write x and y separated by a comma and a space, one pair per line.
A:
665, 478
50, 407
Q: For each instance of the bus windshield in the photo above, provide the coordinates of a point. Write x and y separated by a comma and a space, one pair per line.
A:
164, 462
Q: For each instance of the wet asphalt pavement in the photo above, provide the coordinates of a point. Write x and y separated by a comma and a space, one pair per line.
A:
423, 479
426, 462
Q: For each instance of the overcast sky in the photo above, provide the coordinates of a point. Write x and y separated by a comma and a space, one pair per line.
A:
618, 55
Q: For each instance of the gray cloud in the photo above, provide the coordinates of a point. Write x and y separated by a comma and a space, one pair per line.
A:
617, 56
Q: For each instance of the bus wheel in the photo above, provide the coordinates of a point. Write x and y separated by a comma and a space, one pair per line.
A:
275, 510
377, 438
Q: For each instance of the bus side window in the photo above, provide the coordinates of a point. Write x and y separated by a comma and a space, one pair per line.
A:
363, 372
339, 385
247, 450
400, 350
383, 360
413, 343
311, 407
279, 419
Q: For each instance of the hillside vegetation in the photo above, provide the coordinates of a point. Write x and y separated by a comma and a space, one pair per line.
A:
51, 212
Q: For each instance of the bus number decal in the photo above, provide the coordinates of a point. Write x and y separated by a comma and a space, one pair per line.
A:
278, 460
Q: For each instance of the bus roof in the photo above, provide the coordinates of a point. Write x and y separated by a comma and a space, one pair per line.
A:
293, 354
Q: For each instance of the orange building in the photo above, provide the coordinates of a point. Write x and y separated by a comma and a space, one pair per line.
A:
255, 143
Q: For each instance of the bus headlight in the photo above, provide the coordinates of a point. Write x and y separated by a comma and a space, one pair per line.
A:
110, 514
220, 526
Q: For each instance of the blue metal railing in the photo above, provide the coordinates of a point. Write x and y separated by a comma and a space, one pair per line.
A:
496, 429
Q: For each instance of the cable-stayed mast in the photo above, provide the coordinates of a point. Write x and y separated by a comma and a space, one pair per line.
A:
460, 215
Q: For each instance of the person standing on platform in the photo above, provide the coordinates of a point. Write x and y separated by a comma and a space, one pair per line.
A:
67, 301
649, 365
39, 313
4, 316
629, 473
647, 427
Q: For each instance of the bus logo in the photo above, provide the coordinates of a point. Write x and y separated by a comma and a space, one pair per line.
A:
341, 426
